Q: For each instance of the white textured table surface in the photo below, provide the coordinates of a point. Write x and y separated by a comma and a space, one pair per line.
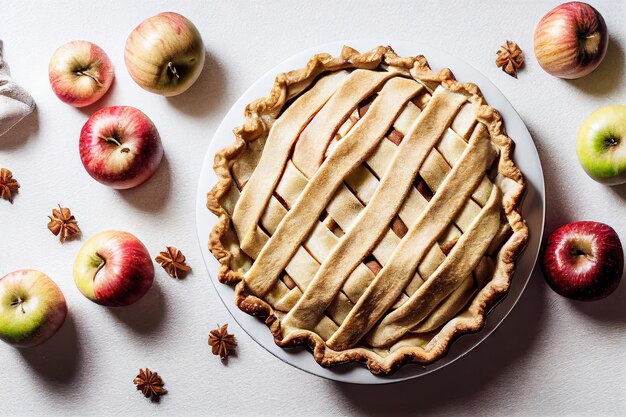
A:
549, 357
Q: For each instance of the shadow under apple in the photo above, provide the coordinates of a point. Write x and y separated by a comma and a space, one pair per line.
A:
146, 315
206, 93
57, 359
558, 211
607, 310
620, 190
154, 194
464, 379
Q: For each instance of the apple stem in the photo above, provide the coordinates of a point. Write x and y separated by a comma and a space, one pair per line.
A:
100, 265
102, 262
111, 139
172, 69
19, 302
90, 76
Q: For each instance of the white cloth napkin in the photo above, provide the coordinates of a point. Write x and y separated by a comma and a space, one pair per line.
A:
15, 102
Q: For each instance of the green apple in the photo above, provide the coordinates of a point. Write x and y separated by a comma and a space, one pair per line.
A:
601, 145
32, 308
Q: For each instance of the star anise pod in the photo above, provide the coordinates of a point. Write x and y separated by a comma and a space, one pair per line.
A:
8, 185
222, 342
150, 384
173, 261
63, 224
510, 58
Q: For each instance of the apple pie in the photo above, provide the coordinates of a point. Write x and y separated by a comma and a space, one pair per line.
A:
368, 209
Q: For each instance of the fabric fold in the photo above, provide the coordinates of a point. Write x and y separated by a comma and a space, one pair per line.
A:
15, 102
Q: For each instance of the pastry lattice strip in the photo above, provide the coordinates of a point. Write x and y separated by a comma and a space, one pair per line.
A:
421, 235
387, 105
450, 147
292, 184
282, 297
310, 314
290, 173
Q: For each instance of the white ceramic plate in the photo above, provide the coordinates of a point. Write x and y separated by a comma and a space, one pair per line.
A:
526, 159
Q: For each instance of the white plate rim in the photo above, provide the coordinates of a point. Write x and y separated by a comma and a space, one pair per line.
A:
358, 373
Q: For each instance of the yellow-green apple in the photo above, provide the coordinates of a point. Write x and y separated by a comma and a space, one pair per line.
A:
113, 269
583, 260
601, 145
571, 40
165, 54
80, 73
120, 147
32, 308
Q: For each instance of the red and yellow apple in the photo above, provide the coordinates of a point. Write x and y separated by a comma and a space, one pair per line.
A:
165, 54
32, 308
113, 269
120, 147
601, 145
583, 260
80, 73
571, 40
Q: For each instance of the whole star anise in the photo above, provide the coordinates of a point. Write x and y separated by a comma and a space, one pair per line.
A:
173, 261
510, 58
63, 224
222, 342
8, 185
150, 384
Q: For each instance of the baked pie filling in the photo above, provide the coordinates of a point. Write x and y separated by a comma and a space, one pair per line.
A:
368, 209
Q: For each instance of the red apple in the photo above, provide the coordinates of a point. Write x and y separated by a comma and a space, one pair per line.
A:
32, 308
571, 40
120, 147
80, 73
584, 260
165, 54
113, 269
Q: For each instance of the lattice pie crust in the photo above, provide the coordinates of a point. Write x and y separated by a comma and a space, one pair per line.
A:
368, 209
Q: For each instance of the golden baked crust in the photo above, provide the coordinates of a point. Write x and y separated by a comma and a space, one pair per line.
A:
389, 346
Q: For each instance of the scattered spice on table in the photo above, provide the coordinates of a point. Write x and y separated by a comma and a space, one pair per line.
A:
510, 58
63, 224
150, 384
173, 261
222, 342
8, 185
